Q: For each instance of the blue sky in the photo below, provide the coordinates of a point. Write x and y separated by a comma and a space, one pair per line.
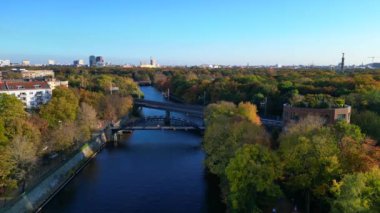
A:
191, 32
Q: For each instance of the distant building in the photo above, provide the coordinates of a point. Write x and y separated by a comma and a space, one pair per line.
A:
25, 63
92, 61
51, 62
55, 83
153, 64
5, 63
35, 74
100, 61
374, 66
331, 115
32, 94
78, 63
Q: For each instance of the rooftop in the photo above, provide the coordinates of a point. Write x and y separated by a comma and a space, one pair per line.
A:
23, 85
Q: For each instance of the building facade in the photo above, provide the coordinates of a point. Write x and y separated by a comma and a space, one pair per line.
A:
92, 61
78, 63
331, 115
25, 63
55, 83
100, 61
32, 94
36, 74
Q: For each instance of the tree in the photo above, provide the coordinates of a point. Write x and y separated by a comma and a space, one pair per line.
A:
24, 153
61, 108
249, 111
63, 137
310, 157
224, 136
358, 192
7, 166
369, 122
11, 108
86, 122
87, 116
3, 138
251, 175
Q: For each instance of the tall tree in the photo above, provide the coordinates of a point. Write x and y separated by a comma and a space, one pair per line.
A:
62, 107
24, 154
251, 175
310, 158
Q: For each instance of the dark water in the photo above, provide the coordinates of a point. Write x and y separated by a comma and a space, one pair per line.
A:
149, 171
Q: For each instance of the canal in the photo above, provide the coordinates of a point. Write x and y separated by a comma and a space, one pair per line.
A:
149, 171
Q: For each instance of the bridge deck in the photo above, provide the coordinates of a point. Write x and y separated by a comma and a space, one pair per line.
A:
174, 107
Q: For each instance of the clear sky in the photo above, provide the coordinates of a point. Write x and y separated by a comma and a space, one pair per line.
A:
191, 32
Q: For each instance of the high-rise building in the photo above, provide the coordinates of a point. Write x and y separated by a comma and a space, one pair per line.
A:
25, 63
92, 61
100, 61
78, 63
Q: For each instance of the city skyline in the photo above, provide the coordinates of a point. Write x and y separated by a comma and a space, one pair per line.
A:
191, 33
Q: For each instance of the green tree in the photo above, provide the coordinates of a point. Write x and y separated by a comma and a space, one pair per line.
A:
224, 136
62, 107
7, 166
251, 175
11, 108
310, 158
369, 122
358, 192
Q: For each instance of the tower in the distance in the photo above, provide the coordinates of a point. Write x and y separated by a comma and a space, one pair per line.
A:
342, 64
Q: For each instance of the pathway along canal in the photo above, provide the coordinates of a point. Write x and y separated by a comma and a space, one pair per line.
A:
149, 171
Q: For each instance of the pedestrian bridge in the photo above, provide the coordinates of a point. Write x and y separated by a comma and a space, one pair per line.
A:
191, 110
160, 123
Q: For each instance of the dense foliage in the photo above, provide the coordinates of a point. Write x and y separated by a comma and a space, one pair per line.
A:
58, 128
310, 159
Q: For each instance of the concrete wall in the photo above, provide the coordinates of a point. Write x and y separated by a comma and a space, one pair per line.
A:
34, 199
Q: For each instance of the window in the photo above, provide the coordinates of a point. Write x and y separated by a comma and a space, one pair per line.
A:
37, 86
341, 117
20, 87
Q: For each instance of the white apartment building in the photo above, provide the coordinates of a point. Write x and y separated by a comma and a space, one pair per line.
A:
32, 94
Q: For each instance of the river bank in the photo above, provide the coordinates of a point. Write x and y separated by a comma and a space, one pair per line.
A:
37, 197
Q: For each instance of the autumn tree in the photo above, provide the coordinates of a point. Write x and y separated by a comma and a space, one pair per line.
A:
228, 129
23, 153
63, 137
87, 121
